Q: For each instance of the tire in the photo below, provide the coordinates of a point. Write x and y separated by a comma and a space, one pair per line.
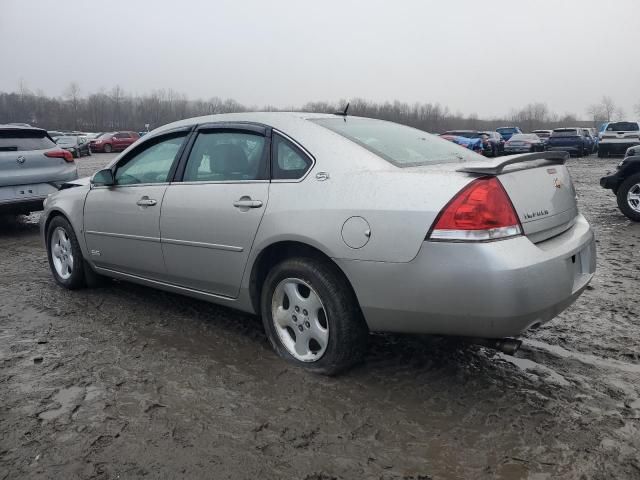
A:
602, 152
108, 148
66, 263
629, 185
338, 325
76, 154
80, 274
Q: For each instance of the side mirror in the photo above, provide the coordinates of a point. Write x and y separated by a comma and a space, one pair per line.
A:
103, 178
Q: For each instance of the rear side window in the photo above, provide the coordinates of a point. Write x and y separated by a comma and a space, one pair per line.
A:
24, 140
288, 161
398, 144
623, 127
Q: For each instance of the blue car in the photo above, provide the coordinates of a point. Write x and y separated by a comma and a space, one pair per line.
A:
508, 132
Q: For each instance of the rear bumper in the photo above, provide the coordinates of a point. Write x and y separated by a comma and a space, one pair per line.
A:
564, 148
619, 146
491, 290
611, 182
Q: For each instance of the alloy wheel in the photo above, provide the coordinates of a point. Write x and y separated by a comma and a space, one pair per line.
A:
61, 253
300, 319
633, 197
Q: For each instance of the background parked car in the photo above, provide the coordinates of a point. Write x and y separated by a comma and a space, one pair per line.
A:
625, 184
77, 145
113, 142
496, 141
617, 137
544, 135
31, 167
589, 141
474, 144
507, 132
570, 140
487, 147
55, 134
524, 143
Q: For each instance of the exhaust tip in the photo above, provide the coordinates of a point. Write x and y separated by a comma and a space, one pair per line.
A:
508, 346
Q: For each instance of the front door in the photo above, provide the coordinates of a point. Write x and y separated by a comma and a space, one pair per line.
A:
122, 222
210, 219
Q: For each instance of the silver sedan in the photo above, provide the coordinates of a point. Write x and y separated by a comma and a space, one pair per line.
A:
329, 227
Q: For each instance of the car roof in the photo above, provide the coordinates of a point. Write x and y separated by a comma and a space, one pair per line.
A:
279, 120
17, 127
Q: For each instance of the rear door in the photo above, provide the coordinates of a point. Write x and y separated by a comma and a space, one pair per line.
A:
120, 141
210, 216
122, 222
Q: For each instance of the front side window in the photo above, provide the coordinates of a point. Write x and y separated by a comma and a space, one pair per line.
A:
151, 164
289, 162
219, 156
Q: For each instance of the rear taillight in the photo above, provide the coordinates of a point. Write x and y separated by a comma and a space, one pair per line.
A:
480, 212
60, 154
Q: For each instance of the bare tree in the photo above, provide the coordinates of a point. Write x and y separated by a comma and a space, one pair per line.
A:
72, 93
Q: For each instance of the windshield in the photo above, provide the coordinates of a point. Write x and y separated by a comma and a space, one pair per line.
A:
542, 134
398, 144
623, 127
507, 130
66, 140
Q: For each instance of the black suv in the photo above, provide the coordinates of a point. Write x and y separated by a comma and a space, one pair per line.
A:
625, 183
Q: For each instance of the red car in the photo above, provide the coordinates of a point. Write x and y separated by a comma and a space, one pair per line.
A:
113, 142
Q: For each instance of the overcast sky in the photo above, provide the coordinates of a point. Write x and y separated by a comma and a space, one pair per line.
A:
475, 57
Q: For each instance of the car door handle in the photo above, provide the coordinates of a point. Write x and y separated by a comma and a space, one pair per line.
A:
247, 203
146, 202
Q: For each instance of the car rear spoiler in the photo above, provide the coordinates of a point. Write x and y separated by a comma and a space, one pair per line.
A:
495, 166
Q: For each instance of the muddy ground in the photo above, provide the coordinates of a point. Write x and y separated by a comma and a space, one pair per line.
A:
127, 382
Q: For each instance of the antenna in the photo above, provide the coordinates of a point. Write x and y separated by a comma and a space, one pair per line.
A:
344, 112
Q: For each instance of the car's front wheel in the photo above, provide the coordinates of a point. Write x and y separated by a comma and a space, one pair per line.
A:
65, 257
312, 317
628, 196
108, 148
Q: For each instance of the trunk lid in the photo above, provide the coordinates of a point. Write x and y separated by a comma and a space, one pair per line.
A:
540, 188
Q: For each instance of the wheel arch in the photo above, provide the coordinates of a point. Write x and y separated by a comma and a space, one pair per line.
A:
280, 250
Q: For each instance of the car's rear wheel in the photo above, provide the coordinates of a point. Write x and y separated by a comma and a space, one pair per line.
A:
602, 152
108, 148
312, 317
628, 196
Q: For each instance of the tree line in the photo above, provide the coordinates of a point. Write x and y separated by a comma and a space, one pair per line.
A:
116, 109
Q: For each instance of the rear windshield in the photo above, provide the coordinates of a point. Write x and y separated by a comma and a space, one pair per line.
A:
66, 140
506, 130
24, 140
565, 132
398, 144
623, 127
542, 134
524, 136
